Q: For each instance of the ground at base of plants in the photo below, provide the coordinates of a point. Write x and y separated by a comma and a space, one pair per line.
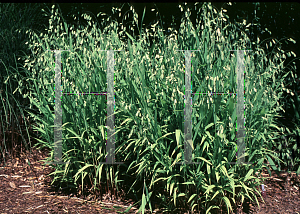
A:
282, 195
26, 189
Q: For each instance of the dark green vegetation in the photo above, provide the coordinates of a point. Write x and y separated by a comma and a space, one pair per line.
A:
150, 85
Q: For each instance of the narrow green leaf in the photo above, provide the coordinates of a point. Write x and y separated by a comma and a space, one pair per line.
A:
248, 175
227, 202
271, 163
191, 198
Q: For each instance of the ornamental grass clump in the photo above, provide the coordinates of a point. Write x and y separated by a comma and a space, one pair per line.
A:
14, 124
149, 109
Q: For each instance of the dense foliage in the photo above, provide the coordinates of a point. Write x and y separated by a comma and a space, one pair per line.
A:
149, 103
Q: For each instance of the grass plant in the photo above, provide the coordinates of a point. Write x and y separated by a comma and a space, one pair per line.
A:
15, 20
149, 103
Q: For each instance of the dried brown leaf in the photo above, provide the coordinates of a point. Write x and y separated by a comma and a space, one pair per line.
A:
12, 185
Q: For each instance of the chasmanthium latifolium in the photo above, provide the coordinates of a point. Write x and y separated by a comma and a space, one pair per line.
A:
149, 84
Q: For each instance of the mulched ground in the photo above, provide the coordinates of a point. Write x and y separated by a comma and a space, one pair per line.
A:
26, 189
281, 196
